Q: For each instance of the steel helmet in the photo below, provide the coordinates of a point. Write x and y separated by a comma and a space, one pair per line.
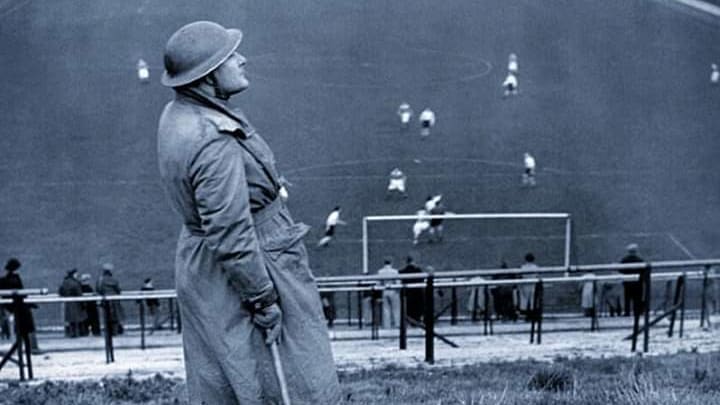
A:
197, 49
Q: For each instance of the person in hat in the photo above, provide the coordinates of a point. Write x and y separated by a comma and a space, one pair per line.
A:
241, 271
152, 304
92, 323
107, 284
24, 321
75, 314
632, 289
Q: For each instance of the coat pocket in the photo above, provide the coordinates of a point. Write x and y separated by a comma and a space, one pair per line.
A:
284, 239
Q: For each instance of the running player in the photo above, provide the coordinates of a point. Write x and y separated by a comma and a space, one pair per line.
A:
510, 84
513, 64
143, 71
714, 74
432, 201
331, 222
405, 113
427, 121
421, 225
528, 178
397, 182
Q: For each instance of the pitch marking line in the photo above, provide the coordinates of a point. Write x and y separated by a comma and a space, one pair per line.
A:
680, 245
702, 6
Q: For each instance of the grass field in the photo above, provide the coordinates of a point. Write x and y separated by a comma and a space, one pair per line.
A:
615, 104
687, 378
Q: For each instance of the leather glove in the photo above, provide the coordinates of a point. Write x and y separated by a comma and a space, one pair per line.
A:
270, 320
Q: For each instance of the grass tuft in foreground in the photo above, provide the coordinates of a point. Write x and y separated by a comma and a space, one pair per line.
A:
686, 378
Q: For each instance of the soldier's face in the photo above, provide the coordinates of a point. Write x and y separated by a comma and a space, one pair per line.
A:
230, 76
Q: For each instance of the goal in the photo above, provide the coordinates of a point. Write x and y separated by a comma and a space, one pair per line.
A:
469, 236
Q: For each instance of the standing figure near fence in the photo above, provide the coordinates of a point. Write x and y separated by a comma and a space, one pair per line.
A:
108, 285
414, 297
632, 289
75, 315
427, 121
24, 321
405, 113
241, 270
92, 322
390, 298
332, 221
526, 291
588, 295
152, 305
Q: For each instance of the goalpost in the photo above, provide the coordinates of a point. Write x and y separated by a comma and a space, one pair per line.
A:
494, 216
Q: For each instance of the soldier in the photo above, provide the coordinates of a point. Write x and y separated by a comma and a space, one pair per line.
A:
241, 268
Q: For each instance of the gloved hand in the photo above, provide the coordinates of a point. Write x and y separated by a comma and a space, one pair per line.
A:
270, 320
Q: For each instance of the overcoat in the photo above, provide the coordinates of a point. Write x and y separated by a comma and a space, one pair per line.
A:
74, 311
238, 241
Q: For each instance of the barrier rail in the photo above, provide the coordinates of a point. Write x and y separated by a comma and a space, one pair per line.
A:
430, 282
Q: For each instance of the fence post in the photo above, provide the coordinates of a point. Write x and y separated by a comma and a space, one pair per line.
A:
682, 305
349, 308
539, 293
374, 308
19, 332
454, 306
703, 297
109, 355
594, 316
429, 319
360, 309
141, 307
403, 318
171, 304
646, 285
486, 313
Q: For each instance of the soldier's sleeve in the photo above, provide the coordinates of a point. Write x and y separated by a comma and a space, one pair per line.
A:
217, 176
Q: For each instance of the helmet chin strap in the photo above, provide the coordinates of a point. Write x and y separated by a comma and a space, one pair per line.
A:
219, 93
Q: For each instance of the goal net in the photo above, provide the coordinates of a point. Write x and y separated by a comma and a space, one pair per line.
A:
469, 241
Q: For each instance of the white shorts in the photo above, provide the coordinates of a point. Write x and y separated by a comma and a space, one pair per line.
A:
397, 184
143, 74
420, 227
405, 117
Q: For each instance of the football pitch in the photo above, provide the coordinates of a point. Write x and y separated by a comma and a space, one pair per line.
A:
615, 104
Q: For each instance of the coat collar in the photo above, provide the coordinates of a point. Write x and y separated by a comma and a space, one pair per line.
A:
219, 114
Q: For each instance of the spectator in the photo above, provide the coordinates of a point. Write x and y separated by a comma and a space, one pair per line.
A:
390, 298
152, 304
108, 285
504, 296
92, 322
75, 314
476, 300
526, 292
587, 295
632, 289
23, 317
610, 297
327, 298
414, 297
